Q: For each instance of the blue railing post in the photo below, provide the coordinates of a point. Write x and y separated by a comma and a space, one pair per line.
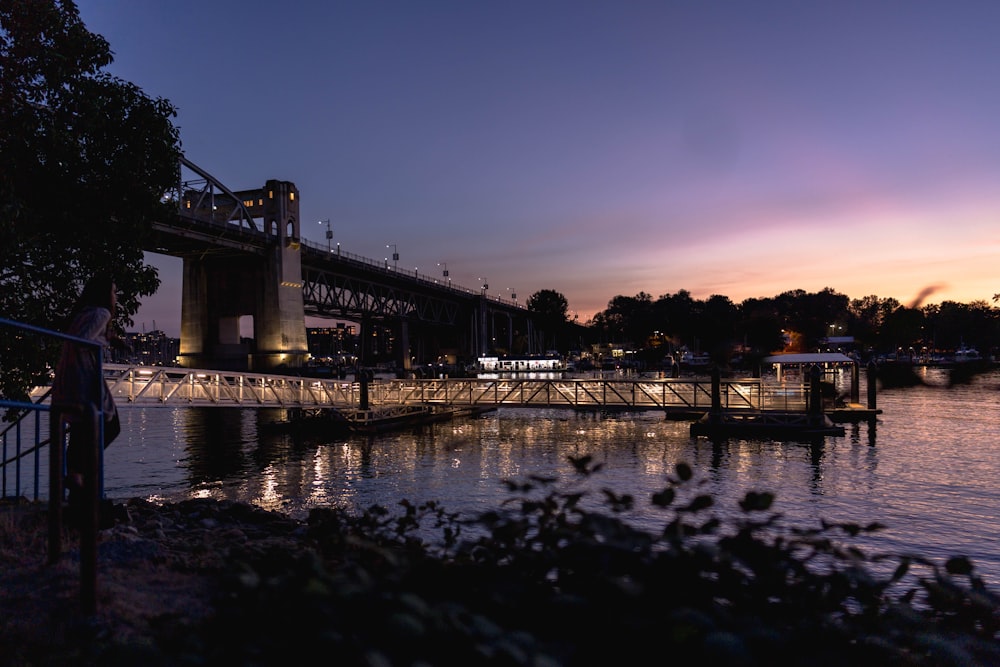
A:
91, 416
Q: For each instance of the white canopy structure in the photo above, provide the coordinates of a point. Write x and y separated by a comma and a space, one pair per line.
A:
805, 359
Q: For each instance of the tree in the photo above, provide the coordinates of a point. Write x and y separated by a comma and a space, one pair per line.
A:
902, 329
717, 327
86, 160
630, 318
676, 316
759, 327
810, 314
550, 309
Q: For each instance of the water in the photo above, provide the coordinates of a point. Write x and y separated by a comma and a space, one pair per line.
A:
928, 468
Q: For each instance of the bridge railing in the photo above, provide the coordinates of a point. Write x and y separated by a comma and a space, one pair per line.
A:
414, 274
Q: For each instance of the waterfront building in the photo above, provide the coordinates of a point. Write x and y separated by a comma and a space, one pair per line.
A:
154, 348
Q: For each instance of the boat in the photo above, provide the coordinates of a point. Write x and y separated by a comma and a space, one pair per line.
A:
534, 363
966, 354
694, 359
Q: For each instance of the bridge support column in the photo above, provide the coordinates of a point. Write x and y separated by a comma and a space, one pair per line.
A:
214, 297
219, 290
404, 345
280, 329
530, 333
482, 330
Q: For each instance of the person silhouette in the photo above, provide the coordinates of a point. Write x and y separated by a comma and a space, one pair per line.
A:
76, 382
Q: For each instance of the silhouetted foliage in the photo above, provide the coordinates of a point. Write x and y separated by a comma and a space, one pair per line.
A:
549, 307
86, 161
549, 578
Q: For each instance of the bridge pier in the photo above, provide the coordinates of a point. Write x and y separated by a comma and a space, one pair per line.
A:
218, 290
404, 360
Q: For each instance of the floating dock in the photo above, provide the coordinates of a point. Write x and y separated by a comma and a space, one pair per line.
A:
852, 413
341, 423
819, 418
404, 416
770, 424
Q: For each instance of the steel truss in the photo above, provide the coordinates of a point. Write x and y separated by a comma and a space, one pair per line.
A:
353, 297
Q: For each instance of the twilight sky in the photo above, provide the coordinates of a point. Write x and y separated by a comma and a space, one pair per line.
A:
600, 148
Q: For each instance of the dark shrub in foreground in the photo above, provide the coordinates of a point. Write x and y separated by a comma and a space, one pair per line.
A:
547, 582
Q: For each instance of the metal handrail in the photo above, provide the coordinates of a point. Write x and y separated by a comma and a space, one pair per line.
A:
39, 405
93, 475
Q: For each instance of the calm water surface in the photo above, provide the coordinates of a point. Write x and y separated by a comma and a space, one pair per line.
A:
929, 467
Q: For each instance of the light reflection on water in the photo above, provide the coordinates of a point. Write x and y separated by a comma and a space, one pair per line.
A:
928, 469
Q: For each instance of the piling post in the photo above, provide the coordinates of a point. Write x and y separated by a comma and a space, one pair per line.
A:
815, 392
363, 382
716, 412
872, 380
855, 382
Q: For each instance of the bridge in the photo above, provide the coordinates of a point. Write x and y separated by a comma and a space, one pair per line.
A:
147, 386
243, 255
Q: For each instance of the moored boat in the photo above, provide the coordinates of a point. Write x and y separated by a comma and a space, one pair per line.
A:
550, 363
966, 354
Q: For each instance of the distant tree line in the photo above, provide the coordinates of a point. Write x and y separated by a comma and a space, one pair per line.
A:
798, 320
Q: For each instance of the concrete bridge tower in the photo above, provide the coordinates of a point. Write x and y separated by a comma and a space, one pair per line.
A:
220, 289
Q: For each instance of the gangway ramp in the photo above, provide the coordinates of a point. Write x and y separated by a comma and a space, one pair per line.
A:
163, 386
667, 394
173, 386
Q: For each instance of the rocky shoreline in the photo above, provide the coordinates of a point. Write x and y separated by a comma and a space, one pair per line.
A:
159, 569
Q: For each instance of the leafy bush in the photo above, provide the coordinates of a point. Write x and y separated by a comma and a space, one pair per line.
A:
543, 581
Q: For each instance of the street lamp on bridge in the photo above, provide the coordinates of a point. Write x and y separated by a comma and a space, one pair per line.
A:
329, 234
395, 256
486, 286
444, 273
513, 294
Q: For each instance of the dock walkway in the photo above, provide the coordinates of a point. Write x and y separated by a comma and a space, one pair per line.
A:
743, 400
